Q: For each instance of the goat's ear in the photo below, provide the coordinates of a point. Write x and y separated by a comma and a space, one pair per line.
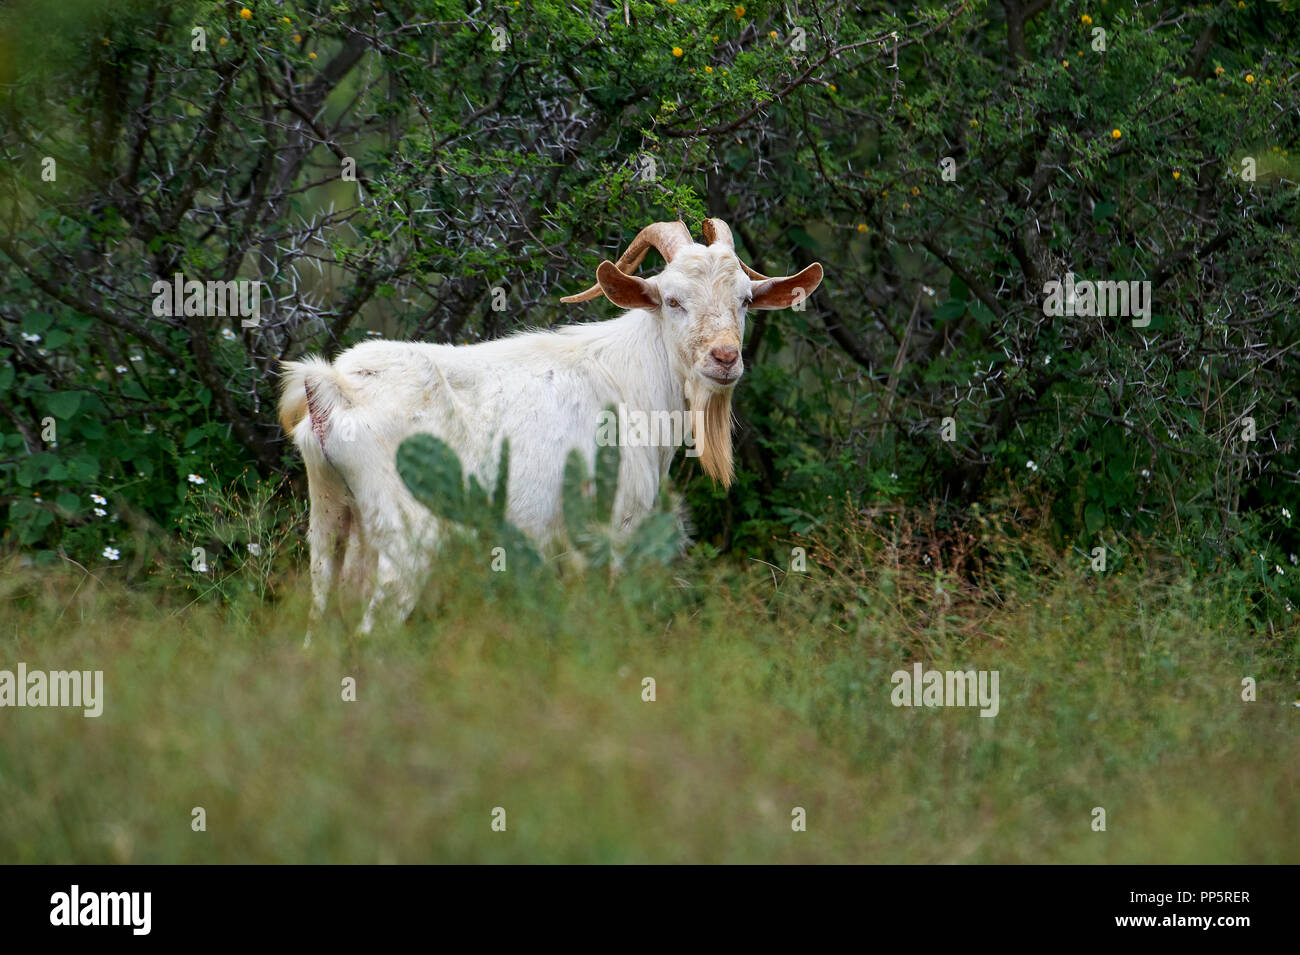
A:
625, 291
786, 291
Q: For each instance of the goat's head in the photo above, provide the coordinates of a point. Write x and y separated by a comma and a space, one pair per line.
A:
700, 298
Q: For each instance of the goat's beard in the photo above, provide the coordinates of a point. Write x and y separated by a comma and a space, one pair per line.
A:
711, 423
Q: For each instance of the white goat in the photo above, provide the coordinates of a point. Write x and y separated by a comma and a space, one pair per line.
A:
676, 350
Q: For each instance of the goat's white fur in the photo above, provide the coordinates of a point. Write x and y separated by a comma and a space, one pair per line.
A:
543, 391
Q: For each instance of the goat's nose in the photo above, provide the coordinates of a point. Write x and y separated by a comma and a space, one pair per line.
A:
725, 355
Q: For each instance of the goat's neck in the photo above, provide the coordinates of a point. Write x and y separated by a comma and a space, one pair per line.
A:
643, 374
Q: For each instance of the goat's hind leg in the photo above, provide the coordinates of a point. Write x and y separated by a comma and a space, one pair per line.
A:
327, 539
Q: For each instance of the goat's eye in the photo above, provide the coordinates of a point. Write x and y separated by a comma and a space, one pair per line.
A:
673, 303
748, 301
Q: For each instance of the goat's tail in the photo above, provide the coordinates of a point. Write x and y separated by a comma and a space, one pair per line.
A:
309, 388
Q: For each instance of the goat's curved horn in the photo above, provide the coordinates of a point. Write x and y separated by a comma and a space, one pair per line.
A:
667, 238
715, 230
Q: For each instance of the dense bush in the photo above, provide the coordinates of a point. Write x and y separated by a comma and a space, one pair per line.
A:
511, 146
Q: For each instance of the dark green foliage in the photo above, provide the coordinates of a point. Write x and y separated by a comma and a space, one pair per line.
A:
819, 131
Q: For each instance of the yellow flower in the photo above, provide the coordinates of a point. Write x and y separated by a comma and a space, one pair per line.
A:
1085, 19
740, 12
1218, 71
884, 193
916, 190
1065, 63
245, 13
1250, 77
974, 123
862, 227
907, 205
311, 56
833, 88
1177, 173
284, 19
297, 38
677, 51
1115, 134
708, 69
772, 34
221, 42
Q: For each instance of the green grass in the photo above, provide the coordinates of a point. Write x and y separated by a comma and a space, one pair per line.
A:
772, 692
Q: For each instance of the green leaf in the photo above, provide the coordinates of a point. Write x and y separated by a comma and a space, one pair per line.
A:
958, 289
1094, 517
802, 238
950, 310
36, 322
982, 314
1103, 210
63, 404
68, 501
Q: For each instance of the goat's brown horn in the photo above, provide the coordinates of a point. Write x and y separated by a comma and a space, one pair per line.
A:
667, 238
715, 230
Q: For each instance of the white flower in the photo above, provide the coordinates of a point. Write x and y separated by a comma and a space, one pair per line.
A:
121, 369
171, 371
227, 334
112, 553
255, 548
149, 429
195, 479
31, 339
37, 497
1146, 474
1277, 569
1172, 434
1286, 513
1031, 465
1047, 360
1295, 560
928, 291
927, 558
893, 476
99, 499
100, 512
137, 357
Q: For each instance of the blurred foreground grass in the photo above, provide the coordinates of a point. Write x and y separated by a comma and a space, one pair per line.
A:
773, 691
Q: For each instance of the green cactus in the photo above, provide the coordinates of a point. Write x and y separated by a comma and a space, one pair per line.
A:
433, 473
